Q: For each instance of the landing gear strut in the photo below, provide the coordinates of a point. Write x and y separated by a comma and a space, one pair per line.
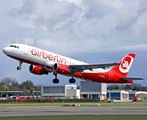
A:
19, 67
72, 80
56, 80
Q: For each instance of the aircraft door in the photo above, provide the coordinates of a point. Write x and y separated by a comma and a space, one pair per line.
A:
26, 50
110, 75
26, 53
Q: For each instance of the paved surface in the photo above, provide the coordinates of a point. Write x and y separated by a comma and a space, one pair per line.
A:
70, 111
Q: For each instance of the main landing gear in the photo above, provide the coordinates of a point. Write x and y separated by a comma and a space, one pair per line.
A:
19, 67
72, 80
56, 80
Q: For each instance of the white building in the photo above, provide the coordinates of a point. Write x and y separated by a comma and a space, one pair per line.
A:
137, 93
67, 91
118, 95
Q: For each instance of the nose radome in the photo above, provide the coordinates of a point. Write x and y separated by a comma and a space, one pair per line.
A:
5, 50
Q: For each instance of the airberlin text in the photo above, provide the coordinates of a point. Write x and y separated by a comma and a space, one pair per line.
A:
50, 57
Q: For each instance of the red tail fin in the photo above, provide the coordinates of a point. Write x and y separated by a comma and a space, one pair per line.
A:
125, 65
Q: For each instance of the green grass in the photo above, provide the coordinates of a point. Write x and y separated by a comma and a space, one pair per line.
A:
8, 106
138, 104
48, 105
79, 118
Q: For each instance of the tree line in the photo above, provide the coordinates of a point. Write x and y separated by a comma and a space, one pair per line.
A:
10, 84
132, 86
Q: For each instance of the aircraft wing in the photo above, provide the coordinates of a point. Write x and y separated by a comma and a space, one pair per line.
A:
80, 68
127, 78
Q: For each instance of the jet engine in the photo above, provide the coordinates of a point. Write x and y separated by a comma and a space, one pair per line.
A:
60, 68
37, 70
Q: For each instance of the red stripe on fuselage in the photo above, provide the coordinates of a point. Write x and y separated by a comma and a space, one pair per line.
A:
100, 77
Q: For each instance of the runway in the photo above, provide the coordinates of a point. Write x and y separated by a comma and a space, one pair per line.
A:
72, 111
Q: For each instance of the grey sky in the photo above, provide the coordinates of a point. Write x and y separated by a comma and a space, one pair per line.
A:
95, 31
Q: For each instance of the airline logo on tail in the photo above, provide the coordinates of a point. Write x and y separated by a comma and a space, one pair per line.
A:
125, 64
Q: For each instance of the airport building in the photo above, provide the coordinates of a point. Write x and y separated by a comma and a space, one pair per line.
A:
139, 94
118, 95
60, 91
144, 98
88, 90
93, 90
131, 94
125, 95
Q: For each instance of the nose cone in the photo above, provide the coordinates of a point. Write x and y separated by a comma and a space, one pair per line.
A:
5, 50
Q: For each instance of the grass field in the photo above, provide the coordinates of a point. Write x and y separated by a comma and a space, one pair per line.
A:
48, 105
79, 118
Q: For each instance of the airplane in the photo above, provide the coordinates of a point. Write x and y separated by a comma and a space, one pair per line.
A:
44, 62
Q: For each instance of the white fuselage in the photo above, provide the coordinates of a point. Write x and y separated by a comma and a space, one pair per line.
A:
42, 57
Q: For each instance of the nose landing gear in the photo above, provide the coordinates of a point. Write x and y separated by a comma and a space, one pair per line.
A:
19, 67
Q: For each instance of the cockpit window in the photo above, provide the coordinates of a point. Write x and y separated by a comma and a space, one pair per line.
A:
14, 46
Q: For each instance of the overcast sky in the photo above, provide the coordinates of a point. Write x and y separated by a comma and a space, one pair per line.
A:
94, 31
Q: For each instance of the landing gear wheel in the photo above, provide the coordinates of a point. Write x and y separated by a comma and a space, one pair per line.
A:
18, 68
72, 80
55, 81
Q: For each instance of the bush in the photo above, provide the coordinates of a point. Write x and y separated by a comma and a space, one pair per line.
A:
50, 100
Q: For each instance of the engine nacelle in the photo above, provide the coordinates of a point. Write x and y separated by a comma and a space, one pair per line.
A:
60, 68
37, 70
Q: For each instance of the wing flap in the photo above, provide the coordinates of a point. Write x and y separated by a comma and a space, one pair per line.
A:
80, 68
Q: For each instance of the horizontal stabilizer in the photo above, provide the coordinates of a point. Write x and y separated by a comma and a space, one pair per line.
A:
126, 78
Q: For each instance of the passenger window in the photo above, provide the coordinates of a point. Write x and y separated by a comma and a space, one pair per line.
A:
17, 47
